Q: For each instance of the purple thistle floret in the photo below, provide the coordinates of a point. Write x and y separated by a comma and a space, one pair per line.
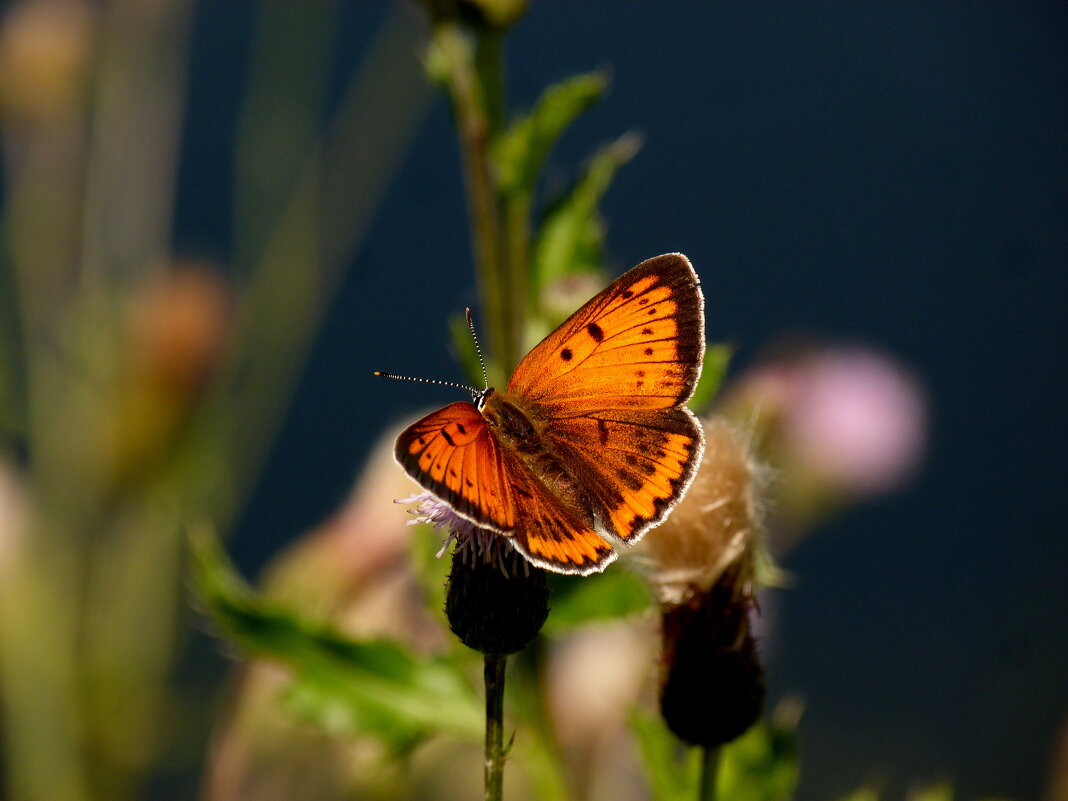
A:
472, 541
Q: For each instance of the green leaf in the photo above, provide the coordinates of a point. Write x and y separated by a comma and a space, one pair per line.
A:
862, 794
761, 765
672, 769
431, 572
713, 371
939, 791
571, 235
371, 687
616, 593
519, 153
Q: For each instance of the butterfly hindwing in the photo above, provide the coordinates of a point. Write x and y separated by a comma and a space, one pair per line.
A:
636, 345
550, 535
635, 465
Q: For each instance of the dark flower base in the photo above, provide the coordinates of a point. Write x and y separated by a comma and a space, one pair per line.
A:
713, 687
496, 607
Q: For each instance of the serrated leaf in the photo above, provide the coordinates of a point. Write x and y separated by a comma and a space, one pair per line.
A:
571, 235
713, 370
601, 597
372, 687
520, 152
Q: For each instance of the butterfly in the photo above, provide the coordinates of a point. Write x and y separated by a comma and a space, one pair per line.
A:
591, 443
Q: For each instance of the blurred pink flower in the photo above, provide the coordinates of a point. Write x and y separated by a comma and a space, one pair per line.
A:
855, 419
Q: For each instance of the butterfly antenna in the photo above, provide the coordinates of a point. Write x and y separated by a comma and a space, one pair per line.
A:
478, 348
426, 381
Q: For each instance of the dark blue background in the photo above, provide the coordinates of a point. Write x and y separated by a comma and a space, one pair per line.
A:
889, 173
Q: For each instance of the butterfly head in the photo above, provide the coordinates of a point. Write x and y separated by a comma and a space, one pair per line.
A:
480, 396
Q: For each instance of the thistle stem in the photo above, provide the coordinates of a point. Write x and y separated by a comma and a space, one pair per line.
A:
709, 769
474, 127
494, 680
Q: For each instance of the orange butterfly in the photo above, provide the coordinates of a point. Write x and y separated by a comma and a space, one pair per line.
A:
592, 443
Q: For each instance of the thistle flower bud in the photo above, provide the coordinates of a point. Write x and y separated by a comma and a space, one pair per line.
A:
495, 601
701, 563
713, 683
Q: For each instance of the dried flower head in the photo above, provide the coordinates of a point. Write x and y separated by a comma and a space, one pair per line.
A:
713, 526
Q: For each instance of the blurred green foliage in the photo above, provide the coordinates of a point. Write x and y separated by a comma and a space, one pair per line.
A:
350, 687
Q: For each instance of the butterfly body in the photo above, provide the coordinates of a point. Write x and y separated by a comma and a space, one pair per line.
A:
591, 444
523, 432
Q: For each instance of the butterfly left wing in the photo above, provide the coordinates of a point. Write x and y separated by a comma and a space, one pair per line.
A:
452, 453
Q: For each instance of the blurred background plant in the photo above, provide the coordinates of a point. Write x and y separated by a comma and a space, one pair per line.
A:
148, 356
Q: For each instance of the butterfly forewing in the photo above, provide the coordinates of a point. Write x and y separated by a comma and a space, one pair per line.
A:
638, 344
452, 453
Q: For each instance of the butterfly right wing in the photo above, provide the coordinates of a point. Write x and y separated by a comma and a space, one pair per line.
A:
453, 454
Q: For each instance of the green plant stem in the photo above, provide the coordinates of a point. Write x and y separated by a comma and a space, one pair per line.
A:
474, 131
494, 680
517, 209
709, 769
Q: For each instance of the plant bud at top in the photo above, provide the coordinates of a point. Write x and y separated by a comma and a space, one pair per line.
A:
496, 602
45, 51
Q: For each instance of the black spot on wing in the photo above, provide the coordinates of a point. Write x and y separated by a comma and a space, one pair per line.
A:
632, 481
566, 354
595, 331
